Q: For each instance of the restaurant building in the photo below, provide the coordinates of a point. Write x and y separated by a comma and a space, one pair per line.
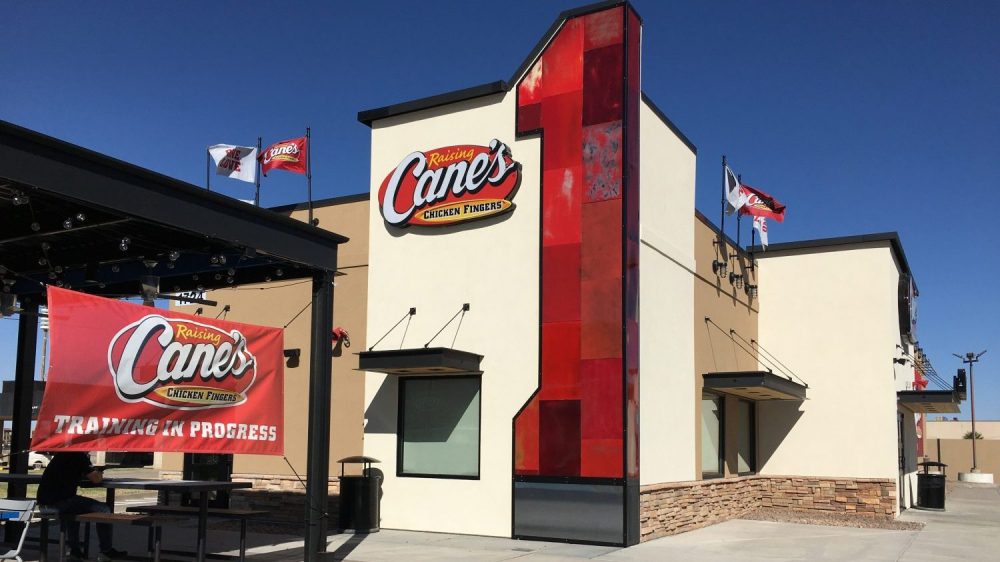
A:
527, 284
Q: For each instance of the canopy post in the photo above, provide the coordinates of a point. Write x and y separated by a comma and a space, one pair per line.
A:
24, 389
318, 460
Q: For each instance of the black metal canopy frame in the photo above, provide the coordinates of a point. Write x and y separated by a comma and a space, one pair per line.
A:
755, 385
81, 220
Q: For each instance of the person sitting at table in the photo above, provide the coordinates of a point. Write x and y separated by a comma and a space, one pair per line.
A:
58, 491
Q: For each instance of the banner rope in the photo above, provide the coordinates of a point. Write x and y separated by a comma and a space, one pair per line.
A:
299, 478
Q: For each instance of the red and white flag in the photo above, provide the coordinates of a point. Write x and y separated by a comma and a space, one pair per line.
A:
289, 155
760, 204
237, 162
760, 223
735, 198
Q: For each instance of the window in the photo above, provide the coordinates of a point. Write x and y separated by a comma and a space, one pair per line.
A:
711, 436
438, 427
747, 453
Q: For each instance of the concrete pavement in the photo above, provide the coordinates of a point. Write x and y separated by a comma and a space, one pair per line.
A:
969, 530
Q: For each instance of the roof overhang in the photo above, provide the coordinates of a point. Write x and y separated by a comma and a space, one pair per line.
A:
88, 221
929, 401
755, 385
421, 361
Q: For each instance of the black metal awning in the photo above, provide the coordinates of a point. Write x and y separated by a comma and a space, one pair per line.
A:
929, 401
755, 385
420, 361
79, 219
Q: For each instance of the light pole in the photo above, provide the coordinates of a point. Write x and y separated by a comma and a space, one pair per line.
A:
972, 358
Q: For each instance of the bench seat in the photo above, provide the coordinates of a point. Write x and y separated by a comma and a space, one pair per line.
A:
225, 513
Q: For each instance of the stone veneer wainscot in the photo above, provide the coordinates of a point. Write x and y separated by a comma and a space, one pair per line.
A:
676, 507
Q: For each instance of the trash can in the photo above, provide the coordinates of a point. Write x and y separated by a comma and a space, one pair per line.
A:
359, 497
930, 486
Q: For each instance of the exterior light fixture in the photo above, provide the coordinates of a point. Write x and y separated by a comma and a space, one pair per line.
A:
751, 290
45, 246
68, 224
123, 244
173, 255
20, 199
42, 261
720, 268
279, 272
80, 217
736, 279
35, 227
115, 268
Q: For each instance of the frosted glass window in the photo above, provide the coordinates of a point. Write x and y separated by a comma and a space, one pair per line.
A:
746, 454
711, 436
439, 427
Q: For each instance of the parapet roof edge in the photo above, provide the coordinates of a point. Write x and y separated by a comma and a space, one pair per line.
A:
715, 228
827, 243
338, 200
368, 116
670, 124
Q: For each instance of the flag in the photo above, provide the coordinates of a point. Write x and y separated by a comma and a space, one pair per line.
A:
735, 199
760, 223
289, 155
760, 204
236, 162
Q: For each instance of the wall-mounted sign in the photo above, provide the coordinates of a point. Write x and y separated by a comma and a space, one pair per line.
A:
450, 185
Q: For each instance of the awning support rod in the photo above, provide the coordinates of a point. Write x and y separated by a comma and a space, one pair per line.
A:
770, 356
410, 313
462, 311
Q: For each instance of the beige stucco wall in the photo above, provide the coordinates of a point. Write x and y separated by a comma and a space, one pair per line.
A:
666, 301
275, 305
953, 429
491, 264
957, 454
831, 315
714, 349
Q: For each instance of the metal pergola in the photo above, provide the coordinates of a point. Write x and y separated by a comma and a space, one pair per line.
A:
88, 222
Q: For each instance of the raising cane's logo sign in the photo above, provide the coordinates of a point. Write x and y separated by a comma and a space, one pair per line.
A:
180, 364
450, 185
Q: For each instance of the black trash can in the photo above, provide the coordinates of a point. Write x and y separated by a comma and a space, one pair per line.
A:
930, 486
359, 497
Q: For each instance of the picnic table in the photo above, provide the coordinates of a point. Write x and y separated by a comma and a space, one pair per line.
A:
200, 487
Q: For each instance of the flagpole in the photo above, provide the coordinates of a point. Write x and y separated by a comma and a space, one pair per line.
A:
739, 218
309, 173
208, 170
256, 197
722, 221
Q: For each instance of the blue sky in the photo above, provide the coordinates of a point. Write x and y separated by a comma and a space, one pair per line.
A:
860, 116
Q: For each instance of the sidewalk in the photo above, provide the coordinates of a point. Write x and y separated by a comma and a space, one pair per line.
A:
969, 530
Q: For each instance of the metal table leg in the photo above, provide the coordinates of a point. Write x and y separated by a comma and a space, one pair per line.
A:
202, 524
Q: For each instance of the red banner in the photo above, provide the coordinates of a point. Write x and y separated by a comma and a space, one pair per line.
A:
125, 377
289, 155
